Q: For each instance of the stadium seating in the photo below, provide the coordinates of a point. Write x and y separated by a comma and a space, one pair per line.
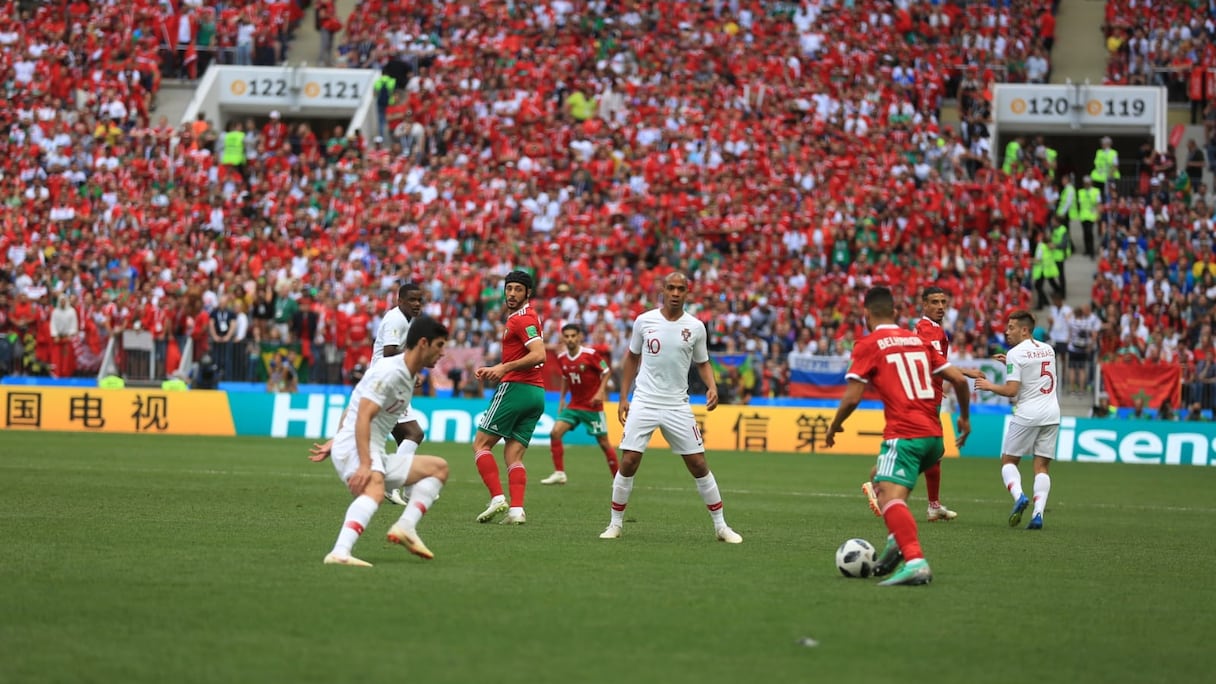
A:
789, 154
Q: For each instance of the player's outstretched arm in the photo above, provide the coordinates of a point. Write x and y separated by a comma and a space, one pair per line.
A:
1009, 389
848, 403
962, 394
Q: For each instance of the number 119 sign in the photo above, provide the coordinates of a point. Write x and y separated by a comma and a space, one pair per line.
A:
1078, 106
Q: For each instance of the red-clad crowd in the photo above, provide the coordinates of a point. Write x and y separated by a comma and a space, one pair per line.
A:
785, 154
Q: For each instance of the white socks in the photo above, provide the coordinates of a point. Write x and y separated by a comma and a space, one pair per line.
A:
424, 493
1013, 480
622, 487
358, 515
408, 447
708, 488
1042, 487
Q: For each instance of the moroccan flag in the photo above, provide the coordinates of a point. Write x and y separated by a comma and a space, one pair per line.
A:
1127, 381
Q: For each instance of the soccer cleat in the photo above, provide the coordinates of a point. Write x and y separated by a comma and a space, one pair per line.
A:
940, 512
729, 536
912, 573
613, 532
1036, 523
335, 559
497, 505
398, 498
867, 488
514, 519
410, 540
558, 477
1015, 516
888, 559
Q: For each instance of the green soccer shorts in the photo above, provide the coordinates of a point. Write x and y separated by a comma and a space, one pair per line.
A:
514, 411
903, 460
597, 425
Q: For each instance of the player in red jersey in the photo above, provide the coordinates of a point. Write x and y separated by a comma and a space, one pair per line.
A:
934, 301
517, 405
585, 375
900, 366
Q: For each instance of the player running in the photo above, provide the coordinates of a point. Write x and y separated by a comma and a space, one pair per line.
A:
585, 375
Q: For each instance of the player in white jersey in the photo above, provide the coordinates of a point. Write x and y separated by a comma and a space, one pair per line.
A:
390, 341
664, 345
1031, 381
358, 448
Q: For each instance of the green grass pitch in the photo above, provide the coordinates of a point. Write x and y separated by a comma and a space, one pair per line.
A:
157, 559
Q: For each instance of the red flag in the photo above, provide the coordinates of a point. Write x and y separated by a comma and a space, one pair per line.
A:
173, 357
1127, 381
191, 61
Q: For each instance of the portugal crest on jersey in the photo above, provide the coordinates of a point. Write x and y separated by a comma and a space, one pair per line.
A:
686, 334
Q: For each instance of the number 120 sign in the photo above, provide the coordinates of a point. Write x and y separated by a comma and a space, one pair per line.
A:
1098, 105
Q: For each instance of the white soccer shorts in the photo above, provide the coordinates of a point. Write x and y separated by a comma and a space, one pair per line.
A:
1026, 440
395, 466
411, 415
678, 425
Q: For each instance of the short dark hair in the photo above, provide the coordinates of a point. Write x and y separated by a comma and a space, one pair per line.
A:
933, 290
880, 302
407, 288
1023, 317
424, 328
572, 326
521, 277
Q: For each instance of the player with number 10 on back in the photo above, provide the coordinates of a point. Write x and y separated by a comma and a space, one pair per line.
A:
1035, 425
900, 366
665, 343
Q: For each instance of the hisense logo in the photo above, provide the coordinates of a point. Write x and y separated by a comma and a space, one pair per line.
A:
1167, 445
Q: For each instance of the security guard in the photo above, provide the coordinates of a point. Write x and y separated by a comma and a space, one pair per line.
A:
1106, 166
1088, 200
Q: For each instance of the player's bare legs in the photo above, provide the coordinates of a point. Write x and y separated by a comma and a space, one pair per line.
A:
901, 525
622, 487
707, 487
558, 451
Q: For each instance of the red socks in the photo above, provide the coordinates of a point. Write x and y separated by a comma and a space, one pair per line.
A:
517, 481
559, 453
610, 454
933, 482
487, 467
901, 524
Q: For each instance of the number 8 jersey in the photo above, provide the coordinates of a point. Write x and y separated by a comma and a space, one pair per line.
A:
900, 366
1033, 364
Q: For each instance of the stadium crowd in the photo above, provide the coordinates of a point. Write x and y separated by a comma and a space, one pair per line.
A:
785, 154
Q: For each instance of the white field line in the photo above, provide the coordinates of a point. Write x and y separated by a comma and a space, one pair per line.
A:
324, 471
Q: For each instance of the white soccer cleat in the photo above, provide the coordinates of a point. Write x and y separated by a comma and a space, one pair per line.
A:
729, 536
497, 505
940, 512
613, 532
410, 540
398, 497
335, 559
558, 477
514, 519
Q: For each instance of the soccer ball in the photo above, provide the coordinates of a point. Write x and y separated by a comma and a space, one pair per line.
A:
855, 558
